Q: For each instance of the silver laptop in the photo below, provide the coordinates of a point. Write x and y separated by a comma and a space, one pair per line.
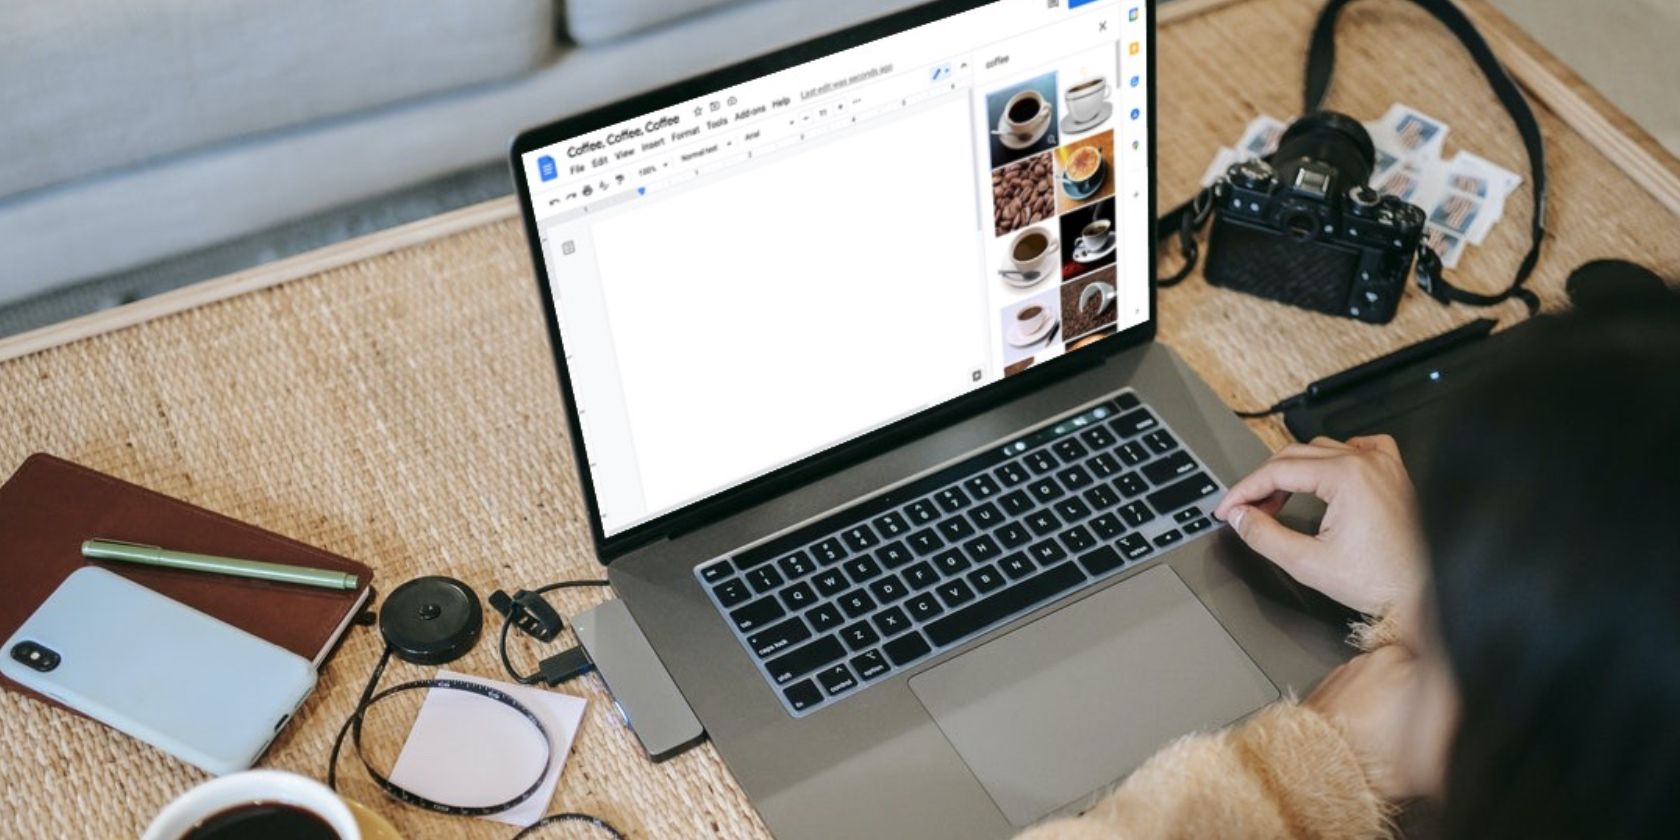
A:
856, 341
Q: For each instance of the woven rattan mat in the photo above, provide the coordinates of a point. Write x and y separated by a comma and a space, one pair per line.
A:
404, 411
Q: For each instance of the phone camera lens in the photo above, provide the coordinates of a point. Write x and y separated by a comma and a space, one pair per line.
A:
35, 656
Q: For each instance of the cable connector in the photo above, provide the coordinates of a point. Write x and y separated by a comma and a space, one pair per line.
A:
563, 666
528, 612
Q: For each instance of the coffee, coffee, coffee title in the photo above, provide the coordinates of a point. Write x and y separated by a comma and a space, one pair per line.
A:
617, 137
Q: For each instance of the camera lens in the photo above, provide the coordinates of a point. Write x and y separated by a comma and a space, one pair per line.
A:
1327, 138
35, 656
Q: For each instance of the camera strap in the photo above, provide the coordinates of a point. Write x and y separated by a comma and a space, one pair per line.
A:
1185, 220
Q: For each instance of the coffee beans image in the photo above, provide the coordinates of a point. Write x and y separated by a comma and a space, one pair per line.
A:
1023, 193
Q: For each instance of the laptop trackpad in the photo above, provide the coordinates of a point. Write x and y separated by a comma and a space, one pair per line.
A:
1066, 705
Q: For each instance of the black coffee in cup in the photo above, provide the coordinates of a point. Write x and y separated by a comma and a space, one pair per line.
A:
1024, 110
262, 821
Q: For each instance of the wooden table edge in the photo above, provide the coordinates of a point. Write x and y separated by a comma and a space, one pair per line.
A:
1635, 153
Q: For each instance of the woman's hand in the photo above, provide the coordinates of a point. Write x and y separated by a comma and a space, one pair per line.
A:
1367, 553
1373, 700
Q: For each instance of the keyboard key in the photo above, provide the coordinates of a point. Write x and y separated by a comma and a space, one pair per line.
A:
1043, 522
716, 572
1103, 466
982, 486
892, 525
985, 579
925, 542
1136, 514
1017, 565
985, 515
1102, 561
955, 592
1046, 489
758, 613
778, 637
1075, 477
803, 660
1102, 497
951, 499
950, 562
1196, 526
923, 607
870, 665
906, 649
831, 582
1046, 552
859, 635
891, 622
1078, 539
856, 602
921, 512
837, 680
1016, 503
764, 578
802, 695
829, 551
1169, 538
730, 593
981, 548
1130, 485
1186, 492
1166, 469
1072, 509
1134, 423
798, 596
1186, 515
1098, 437
1127, 401
1160, 442
796, 565
1133, 546
1012, 473
921, 576
1040, 461
862, 569
1132, 454
956, 528
1005, 603
888, 589
824, 617
1107, 527
860, 537
1012, 535
894, 554
1070, 450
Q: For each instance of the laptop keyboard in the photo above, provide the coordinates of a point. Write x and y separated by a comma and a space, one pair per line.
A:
859, 596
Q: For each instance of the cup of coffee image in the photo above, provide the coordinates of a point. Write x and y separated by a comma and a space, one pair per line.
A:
1025, 117
1095, 235
1084, 168
1029, 248
1032, 319
256, 801
1085, 99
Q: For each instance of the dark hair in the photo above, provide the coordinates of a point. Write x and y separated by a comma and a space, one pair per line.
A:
1552, 512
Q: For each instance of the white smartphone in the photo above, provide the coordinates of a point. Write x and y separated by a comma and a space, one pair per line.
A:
195, 687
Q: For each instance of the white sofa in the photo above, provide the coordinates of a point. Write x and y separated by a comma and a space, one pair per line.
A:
136, 130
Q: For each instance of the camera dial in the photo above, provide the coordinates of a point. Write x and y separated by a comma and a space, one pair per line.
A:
1363, 201
1252, 175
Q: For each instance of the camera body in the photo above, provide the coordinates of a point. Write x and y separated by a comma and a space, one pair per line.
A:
1308, 230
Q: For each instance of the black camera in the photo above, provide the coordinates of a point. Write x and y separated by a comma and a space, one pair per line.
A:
1306, 228
35, 656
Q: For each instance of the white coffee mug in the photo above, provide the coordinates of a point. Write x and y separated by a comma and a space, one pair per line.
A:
252, 786
1095, 234
1085, 100
1035, 322
1026, 129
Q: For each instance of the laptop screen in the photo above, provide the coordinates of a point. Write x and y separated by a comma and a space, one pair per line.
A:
759, 274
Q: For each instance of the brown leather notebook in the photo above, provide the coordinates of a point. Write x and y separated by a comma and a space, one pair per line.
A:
50, 506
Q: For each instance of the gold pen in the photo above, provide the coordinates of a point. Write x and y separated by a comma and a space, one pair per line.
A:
151, 555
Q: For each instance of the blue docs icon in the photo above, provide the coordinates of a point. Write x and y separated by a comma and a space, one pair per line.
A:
546, 168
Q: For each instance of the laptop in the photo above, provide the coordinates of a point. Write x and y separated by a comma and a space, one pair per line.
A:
857, 346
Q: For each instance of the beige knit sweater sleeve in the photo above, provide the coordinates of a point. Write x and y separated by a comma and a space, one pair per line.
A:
1285, 773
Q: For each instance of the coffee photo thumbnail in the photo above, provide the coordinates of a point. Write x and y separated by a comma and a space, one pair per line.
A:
1022, 119
1023, 194
1032, 326
1089, 240
1084, 171
1090, 303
